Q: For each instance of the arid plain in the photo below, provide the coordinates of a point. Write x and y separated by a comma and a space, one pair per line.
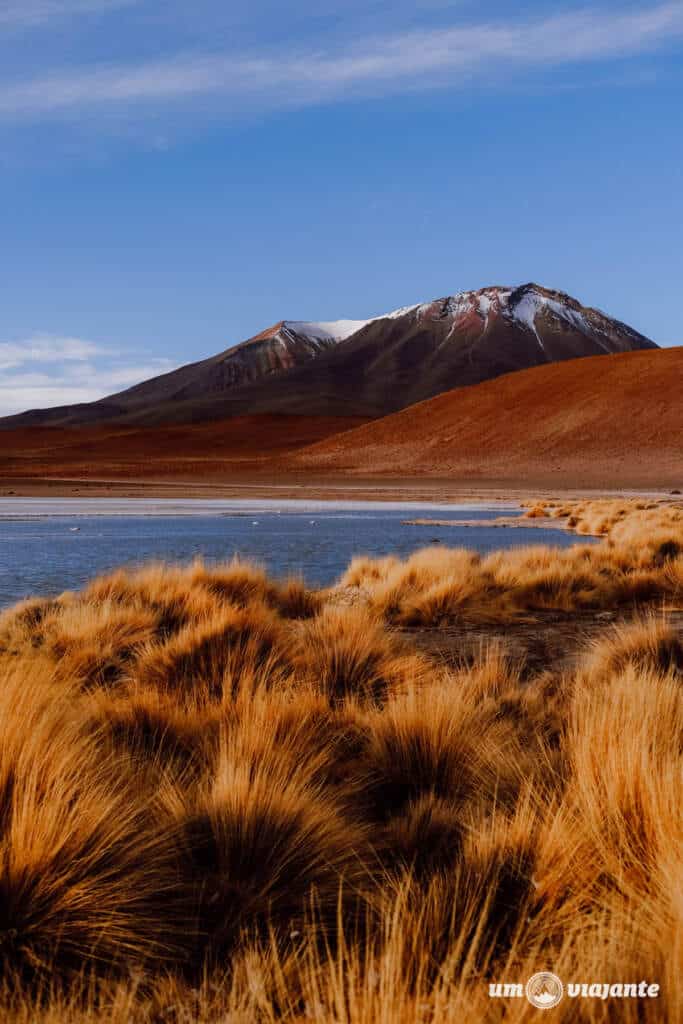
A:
593, 424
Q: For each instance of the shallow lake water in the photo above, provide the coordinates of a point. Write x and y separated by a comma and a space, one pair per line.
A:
50, 546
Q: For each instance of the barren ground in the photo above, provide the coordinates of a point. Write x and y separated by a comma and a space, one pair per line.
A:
584, 427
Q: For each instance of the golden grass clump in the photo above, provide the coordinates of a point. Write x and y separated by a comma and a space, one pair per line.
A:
345, 653
228, 799
214, 654
88, 872
650, 644
638, 564
266, 842
622, 520
363, 569
539, 511
92, 644
450, 752
156, 730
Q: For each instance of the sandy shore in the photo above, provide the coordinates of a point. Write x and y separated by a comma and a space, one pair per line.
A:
504, 522
514, 522
320, 489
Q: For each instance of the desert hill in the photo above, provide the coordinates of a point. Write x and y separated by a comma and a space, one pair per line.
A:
199, 453
365, 368
614, 422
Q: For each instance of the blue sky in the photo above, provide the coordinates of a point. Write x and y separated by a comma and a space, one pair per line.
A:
177, 176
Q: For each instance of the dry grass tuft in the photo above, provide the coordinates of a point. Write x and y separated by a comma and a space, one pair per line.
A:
537, 512
639, 564
214, 655
345, 653
649, 644
87, 876
266, 842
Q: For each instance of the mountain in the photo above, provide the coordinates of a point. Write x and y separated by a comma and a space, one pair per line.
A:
282, 347
591, 422
365, 368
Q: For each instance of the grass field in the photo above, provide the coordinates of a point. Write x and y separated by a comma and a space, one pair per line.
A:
228, 799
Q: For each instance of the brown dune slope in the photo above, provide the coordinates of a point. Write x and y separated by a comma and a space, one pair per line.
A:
201, 452
593, 422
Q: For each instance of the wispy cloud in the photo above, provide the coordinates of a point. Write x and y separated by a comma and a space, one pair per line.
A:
45, 348
46, 370
31, 13
385, 64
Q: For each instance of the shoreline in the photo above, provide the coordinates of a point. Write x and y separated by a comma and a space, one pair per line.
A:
502, 522
416, 490
36, 508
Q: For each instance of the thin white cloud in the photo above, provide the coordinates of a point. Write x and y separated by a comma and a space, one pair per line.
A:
386, 64
32, 13
45, 348
43, 396
45, 371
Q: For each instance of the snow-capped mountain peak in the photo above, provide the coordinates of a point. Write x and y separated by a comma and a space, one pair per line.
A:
517, 326
526, 307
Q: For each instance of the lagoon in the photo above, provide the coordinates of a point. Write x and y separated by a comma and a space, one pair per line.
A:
48, 546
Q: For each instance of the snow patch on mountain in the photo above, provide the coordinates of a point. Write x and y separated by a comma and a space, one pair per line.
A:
403, 311
590, 329
525, 312
327, 330
485, 305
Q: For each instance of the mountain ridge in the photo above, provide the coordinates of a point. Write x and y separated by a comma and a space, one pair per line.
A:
365, 368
